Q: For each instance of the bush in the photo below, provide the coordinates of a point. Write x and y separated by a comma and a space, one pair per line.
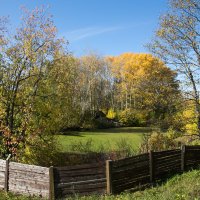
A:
111, 114
158, 141
42, 150
128, 117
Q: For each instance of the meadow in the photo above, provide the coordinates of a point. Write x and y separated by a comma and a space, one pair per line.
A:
103, 139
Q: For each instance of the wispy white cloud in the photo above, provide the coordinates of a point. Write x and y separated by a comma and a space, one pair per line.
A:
83, 33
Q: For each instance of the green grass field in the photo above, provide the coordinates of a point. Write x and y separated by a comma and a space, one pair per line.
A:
103, 139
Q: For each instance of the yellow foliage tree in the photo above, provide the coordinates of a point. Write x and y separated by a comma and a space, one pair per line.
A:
144, 82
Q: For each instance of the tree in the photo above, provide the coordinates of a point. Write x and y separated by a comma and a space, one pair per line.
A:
25, 61
177, 42
95, 83
145, 83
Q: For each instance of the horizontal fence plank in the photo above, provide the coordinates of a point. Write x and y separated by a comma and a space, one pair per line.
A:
84, 166
166, 157
131, 184
81, 182
130, 161
192, 147
165, 153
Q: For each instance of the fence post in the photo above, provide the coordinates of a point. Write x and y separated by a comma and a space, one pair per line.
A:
151, 167
183, 150
7, 173
109, 189
51, 184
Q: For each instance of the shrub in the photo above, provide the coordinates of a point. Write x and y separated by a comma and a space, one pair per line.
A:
128, 118
111, 114
42, 150
158, 141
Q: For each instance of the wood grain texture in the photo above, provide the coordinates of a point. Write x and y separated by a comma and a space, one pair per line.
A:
80, 179
28, 179
2, 173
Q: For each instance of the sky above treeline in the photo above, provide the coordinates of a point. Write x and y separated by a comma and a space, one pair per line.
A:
106, 27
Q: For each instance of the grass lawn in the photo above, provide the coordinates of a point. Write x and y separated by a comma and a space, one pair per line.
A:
108, 139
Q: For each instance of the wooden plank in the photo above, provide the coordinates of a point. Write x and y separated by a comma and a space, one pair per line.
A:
7, 173
193, 147
160, 161
151, 166
168, 169
76, 167
183, 151
89, 185
131, 179
89, 172
130, 173
109, 187
128, 161
51, 184
132, 184
132, 167
169, 163
165, 153
78, 178
173, 155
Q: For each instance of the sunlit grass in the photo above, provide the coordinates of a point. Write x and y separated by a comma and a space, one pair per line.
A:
108, 139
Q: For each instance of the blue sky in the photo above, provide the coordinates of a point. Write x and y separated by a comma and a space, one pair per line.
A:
107, 27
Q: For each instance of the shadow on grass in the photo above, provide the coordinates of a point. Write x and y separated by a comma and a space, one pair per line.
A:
124, 130
130, 130
73, 133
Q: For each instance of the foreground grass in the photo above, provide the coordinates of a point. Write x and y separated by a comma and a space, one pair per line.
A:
180, 187
104, 139
11, 196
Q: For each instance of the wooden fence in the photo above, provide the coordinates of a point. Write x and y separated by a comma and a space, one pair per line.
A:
81, 179
25, 179
112, 177
142, 170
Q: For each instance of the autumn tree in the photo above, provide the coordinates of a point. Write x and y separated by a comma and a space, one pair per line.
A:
177, 42
25, 61
144, 83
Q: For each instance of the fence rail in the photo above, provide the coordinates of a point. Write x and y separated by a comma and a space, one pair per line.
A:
112, 177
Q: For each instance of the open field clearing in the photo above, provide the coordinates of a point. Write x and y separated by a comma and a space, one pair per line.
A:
106, 139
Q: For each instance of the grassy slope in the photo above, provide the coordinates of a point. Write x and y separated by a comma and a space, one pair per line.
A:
10, 196
105, 137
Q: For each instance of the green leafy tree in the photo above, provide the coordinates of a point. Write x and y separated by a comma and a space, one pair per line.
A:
25, 61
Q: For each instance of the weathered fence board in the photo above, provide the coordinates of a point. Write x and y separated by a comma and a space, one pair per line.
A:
80, 179
166, 163
192, 157
2, 173
28, 179
130, 172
